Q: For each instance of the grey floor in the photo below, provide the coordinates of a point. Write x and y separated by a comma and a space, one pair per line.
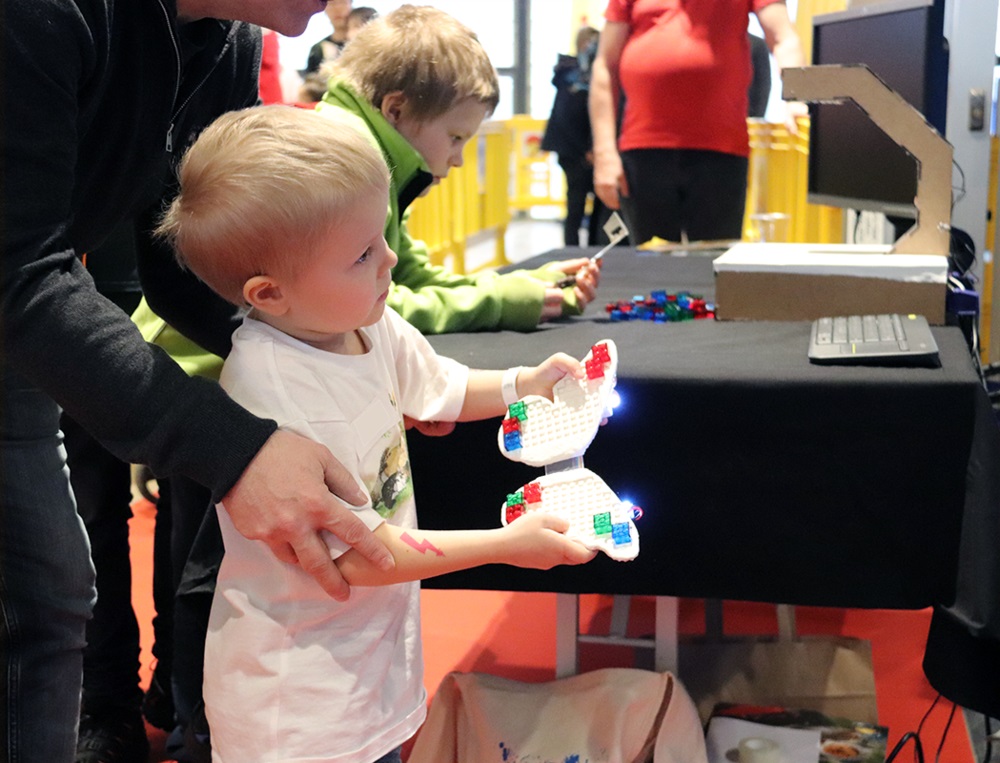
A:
525, 238
977, 733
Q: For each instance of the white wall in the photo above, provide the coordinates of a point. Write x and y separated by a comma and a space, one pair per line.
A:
971, 29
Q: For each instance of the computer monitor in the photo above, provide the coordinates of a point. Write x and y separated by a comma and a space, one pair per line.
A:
852, 163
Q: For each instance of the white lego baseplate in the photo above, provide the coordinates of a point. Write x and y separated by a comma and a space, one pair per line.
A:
597, 517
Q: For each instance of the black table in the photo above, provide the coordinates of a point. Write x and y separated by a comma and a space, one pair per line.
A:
762, 477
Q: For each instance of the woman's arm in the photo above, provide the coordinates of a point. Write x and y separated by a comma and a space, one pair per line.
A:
786, 47
609, 178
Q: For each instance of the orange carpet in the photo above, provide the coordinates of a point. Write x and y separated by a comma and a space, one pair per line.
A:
485, 631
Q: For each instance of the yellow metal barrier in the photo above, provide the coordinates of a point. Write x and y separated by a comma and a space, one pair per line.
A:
776, 207
504, 171
471, 200
537, 179
987, 351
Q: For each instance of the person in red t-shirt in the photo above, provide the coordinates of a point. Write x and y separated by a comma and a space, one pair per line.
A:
270, 69
678, 167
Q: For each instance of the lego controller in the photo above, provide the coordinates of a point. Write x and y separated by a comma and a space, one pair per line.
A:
555, 434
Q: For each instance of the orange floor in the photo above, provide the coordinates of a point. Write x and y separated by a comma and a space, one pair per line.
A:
513, 635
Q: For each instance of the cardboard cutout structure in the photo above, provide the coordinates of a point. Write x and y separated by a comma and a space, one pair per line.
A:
906, 126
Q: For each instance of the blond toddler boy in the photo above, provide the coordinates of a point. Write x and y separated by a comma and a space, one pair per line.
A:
282, 210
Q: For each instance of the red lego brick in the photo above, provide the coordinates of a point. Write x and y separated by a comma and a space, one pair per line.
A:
532, 492
515, 511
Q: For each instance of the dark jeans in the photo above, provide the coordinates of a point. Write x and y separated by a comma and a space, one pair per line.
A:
580, 184
46, 581
673, 191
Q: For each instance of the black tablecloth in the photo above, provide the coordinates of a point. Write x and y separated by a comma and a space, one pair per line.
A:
761, 476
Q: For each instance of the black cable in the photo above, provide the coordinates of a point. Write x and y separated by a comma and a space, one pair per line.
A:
920, 726
918, 751
961, 188
988, 752
944, 734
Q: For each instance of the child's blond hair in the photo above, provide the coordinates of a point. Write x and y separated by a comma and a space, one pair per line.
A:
260, 187
429, 56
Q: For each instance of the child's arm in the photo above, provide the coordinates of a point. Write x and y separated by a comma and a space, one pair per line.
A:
535, 541
484, 396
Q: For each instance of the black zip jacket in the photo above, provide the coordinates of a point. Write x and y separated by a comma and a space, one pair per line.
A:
100, 99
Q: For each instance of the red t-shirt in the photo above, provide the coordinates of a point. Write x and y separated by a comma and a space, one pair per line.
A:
685, 70
270, 69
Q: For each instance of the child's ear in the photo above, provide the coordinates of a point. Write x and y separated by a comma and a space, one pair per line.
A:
264, 293
394, 107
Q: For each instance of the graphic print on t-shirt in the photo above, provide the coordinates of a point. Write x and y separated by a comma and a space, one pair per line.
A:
393, 482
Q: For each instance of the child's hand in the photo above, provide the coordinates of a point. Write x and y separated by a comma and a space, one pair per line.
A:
574, 292
535, 540
542, 378
588, 277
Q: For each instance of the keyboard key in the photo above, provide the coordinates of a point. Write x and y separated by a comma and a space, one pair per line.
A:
898, 326
870, 328
886, 332
839, 330
824, 331
855, 332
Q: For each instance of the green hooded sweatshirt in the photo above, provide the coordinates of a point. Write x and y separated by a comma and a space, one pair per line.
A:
427, 296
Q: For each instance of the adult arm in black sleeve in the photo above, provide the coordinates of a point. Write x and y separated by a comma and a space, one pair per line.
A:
57, 331
76, 161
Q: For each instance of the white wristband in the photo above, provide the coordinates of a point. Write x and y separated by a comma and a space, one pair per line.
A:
508, 387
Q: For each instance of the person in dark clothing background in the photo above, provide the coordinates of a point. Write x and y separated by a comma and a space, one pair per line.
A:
101, 98
760, 84
325, 52
567, 134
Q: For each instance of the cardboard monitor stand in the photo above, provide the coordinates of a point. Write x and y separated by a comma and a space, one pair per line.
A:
904, 125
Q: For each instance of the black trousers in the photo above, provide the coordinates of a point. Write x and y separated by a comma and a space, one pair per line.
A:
701, 194
580, 184
183, 507
102, 486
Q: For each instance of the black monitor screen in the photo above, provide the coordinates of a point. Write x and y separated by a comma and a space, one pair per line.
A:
852, 163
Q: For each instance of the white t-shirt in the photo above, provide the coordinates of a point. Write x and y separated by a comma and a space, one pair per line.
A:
290, 673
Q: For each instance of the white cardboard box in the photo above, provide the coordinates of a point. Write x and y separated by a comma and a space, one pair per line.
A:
792, 282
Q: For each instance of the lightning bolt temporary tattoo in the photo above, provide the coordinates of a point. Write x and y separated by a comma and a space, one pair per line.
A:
422, 546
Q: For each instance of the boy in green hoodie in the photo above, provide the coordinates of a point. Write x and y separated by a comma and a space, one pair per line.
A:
419, 83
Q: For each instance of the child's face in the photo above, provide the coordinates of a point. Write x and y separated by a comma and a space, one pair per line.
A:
441, 140
345, 283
